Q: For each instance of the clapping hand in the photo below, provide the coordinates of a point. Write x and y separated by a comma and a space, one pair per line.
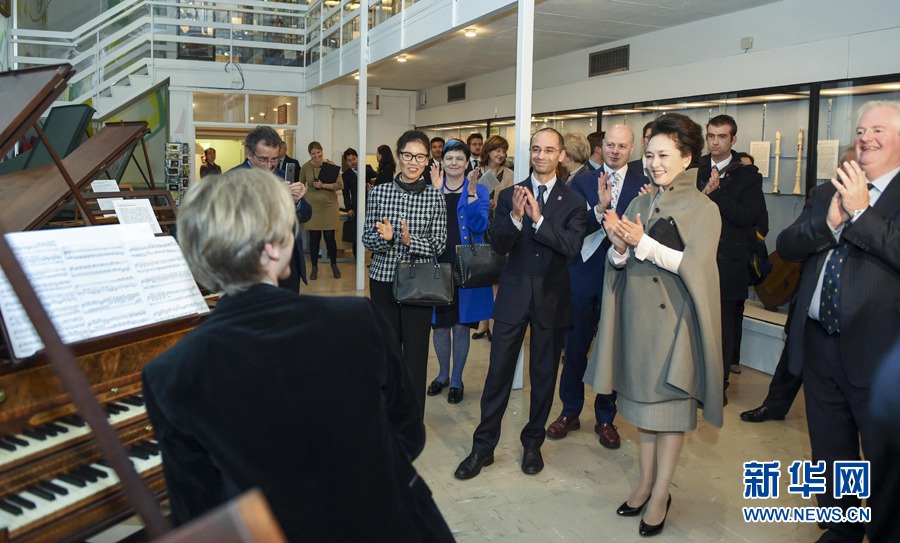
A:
604, 192
519, 200
644, 190
384, 229
531, 206
853, 188
404, 233
630, 231
610, 222
437, 176
713, 182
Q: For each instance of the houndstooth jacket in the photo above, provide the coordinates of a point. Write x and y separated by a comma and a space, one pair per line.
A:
425, 215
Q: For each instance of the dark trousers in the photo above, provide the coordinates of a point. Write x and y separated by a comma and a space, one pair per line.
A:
315, 236
783, 388
732, 324
838, 417
543, 364
412, 327
586, 314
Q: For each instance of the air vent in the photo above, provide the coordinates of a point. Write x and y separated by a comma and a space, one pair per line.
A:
455, 93
609, 61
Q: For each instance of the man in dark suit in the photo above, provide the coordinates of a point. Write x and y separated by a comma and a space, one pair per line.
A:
846, 318
595, 161
737, 189
277, 350
437, 149
539, 224
262, 149
284, 160
613, 186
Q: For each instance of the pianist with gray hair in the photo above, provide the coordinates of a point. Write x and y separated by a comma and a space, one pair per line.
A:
241, 401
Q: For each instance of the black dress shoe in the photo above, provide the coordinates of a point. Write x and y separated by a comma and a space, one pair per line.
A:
647, 530
471, 466
436, 387
455, 395
479, 335
532, 462
760, 414
626, 510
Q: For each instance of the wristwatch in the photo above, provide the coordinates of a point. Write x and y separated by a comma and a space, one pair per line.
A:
857, 213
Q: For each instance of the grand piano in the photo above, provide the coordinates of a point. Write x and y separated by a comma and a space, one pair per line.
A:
55, 485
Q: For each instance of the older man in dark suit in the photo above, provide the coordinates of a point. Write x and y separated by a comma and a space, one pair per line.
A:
230, 401
613, 186
846, 318
737, 189
539, 224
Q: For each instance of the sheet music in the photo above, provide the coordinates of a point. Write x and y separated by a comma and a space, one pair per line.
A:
106, 185
98, 280
829, 152
760, 151
136, 211
489, 180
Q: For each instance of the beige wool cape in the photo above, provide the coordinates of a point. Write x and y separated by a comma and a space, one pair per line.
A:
660, 336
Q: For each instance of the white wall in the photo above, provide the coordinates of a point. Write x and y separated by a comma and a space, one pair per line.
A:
795, 41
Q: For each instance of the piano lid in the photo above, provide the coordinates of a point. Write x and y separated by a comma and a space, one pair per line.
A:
32, 197
26, 95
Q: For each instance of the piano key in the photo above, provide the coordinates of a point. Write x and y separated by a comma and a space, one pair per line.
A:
134, 401
121, 407
10, 508
90, 477
35, 433
102, 473
59, 428
7, 445
73, 479
40, 492
47, 430
56, 489
19, 500
139, 452
33, 443
17, 441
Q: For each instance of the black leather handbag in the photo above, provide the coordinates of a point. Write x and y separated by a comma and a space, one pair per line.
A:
477, 265
423, 283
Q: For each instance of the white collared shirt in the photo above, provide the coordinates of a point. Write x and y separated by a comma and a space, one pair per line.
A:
720, 165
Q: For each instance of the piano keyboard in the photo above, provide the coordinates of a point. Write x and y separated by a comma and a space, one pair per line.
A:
50, 497
53, 434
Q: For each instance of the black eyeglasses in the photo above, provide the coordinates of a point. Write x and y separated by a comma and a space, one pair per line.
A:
265, 160
409, 157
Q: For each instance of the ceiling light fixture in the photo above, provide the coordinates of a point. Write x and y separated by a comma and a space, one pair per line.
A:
401, 58
470, 33
356, 77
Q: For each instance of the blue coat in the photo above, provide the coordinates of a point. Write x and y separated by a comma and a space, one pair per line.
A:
475, 304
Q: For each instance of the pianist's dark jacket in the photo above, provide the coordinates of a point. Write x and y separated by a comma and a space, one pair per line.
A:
268, 392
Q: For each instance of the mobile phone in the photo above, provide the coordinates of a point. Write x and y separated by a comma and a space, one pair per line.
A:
290, 172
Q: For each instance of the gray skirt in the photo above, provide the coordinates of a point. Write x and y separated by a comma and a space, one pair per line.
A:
668, 416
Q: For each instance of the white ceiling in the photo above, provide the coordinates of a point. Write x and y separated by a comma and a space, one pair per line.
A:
560, 26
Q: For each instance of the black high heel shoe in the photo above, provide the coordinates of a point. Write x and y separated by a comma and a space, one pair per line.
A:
626, 510
479, 335
647, 530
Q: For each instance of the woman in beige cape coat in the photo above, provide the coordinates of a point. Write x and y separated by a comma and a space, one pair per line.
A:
659, 341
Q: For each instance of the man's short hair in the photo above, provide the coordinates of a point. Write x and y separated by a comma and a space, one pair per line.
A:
747, 155
577, 147
646, 127
265, 134
562, 142
225, 221
873, 104
723, 120
350, 151
474, 136
595, 139
437, 138
313, 145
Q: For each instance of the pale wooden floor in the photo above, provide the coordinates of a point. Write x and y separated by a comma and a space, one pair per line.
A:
574, 498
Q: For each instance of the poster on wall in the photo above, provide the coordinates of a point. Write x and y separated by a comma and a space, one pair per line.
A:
760, 152
828, 152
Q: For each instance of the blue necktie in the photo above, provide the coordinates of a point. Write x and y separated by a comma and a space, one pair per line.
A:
540, 197
830, 305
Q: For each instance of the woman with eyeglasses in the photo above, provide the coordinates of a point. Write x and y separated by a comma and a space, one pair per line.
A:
467, 219
322, 196
493, 160
406, 219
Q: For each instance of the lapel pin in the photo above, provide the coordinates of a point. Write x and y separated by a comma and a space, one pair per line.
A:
559, 198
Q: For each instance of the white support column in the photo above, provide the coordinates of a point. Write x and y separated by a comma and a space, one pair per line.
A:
363, 109
524, 67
